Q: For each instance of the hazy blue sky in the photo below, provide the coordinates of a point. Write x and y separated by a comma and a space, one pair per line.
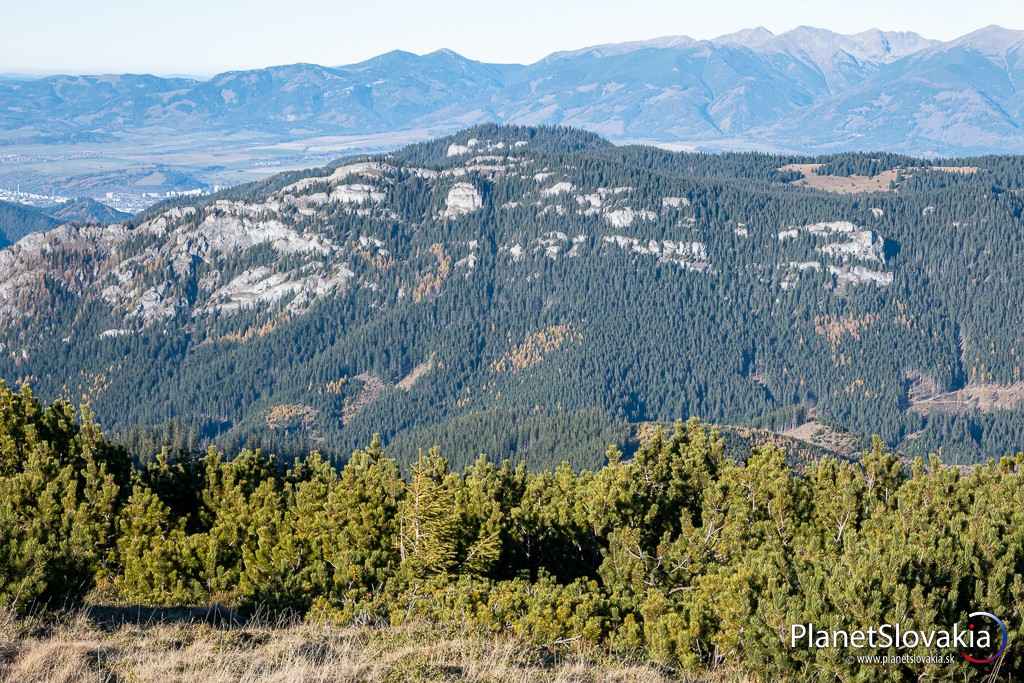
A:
206, 36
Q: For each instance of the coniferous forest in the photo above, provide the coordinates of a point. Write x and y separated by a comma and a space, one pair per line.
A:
537, 293
680, 555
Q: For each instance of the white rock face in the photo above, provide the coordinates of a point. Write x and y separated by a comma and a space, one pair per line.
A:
462, 199
155, 305
261, 286
596, 201
253, 286
467, 262
121, 271
674, 202
369, 169
557, 189
857, 275
552, 245
849, 241
316, 286
845, 242
692, 255
356, 194
625, 217
685, 251
863, 245
472, 144
831, 228
793, 271
488, 165
234, 231
620, 218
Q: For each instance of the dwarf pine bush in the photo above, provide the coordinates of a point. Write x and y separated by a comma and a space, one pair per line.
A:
680, 555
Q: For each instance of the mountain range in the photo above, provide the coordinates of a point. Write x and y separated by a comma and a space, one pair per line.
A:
807, 90
538, 292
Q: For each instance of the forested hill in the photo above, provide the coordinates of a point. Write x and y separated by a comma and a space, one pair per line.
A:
17, 220
535, 292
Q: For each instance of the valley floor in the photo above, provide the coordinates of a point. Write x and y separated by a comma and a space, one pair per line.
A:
94, 647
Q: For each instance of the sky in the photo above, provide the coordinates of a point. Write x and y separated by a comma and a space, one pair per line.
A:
203, 37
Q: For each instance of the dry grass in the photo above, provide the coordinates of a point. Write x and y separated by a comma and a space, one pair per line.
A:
981, 397
291, 416
430, 283
535, 347
79, 647
409, 381
835, 328
859, 184
854, 184
372, 387
821, 435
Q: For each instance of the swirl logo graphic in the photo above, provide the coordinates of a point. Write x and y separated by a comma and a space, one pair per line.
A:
973, 622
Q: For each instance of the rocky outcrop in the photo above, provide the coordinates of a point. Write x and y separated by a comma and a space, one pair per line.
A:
463, 198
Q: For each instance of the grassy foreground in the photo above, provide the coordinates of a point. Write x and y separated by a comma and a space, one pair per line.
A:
87, 646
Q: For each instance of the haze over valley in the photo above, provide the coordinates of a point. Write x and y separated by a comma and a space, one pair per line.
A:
131, 140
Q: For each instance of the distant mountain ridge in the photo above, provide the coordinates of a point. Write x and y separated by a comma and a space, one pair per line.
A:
806, 90
19, 220
86, 210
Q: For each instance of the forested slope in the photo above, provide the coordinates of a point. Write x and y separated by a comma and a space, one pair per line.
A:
534, 292
17, 220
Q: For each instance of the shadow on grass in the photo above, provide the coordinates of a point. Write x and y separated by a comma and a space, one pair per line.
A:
113, 617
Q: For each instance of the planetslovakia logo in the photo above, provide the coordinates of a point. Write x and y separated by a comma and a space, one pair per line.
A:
1004, 638
983, 641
